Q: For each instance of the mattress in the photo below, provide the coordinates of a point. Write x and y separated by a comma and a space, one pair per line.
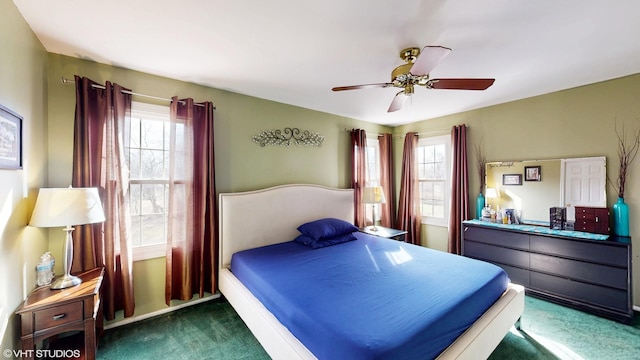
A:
371, 298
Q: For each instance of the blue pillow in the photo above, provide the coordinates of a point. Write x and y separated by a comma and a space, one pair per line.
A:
326, 228
316, 244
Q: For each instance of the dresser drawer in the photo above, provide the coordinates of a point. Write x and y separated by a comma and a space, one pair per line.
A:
592, 250
580, 270
60, 315
496, 254
581, 292
516, 275
497, 237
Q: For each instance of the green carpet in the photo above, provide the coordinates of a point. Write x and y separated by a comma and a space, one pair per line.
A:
552, 331
213, 330
210, 330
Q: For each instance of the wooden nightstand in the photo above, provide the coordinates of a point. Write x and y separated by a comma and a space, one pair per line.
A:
47, 312
385, 232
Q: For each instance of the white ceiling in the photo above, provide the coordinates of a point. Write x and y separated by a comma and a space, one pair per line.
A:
295, 51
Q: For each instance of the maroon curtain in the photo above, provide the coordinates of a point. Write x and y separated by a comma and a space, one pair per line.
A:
358, 179
459, 188
192, 244
388, 209
99, 161
409, 203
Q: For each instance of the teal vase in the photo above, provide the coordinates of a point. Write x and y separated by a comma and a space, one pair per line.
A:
621, 218
479, 206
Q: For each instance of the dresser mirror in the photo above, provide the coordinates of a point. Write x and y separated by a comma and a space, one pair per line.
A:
533, 186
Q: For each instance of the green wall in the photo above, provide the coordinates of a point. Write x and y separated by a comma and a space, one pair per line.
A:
578, 122
23, 77
240, 165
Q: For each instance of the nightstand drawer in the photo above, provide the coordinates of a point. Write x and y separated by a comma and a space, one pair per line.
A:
60, 315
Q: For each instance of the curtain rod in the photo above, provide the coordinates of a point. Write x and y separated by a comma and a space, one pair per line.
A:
424, 134
69, 81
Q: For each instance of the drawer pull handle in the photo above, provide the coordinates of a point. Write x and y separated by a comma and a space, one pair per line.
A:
59, 316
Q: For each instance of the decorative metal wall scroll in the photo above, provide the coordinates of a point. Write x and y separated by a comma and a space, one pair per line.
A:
287, 137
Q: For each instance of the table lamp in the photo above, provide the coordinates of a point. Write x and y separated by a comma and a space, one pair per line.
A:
373, 195
58, 207
492, 193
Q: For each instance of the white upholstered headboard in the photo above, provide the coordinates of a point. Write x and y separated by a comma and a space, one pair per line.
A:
269, 216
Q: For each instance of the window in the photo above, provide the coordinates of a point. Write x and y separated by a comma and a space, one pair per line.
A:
434, 172
372, 170
372, 175
146, 148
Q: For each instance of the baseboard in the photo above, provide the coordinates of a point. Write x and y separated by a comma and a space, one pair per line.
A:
161, 311
636, 308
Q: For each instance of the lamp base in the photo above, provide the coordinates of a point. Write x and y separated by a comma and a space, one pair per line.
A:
65, 281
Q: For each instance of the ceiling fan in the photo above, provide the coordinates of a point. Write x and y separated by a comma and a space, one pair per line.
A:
416, 72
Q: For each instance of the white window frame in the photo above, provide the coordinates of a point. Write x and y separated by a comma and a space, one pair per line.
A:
372, 177
446, 141
158, 112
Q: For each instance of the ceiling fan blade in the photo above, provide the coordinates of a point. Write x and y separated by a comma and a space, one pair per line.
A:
398, 101
460, 84
365, 86
429, 57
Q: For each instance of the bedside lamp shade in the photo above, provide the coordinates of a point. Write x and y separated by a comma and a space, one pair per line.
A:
373, 195
58, 207
65, 207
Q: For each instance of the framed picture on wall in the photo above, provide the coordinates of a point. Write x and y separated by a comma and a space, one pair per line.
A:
512, 179
532, 173
10, 139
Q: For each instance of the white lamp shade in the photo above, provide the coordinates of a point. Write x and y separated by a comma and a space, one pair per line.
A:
373, 195
57, 207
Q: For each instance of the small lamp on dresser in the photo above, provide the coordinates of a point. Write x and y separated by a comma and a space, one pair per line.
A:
373, 195
65, 207
492, 193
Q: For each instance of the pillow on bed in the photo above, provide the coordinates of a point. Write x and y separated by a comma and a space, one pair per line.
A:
316, 244
326, 228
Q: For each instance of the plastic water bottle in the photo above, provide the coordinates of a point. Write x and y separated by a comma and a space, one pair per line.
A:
44, 269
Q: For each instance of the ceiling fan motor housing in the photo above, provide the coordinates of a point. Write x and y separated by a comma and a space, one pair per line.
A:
401, 76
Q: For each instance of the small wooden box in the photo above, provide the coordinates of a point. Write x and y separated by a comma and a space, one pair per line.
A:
592, 219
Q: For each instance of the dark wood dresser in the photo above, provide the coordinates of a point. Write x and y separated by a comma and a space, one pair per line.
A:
590, 275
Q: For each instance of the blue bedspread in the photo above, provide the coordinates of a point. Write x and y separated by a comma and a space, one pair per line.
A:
371, 298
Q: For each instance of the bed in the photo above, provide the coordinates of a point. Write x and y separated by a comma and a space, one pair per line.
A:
270, 218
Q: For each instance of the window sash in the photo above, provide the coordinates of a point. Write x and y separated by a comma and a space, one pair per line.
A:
148, 193
434, 173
